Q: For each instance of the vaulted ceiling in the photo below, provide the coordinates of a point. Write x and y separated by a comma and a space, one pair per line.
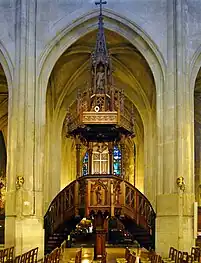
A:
130, 71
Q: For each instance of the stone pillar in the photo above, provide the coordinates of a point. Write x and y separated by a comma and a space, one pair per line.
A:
174, 222
24, 199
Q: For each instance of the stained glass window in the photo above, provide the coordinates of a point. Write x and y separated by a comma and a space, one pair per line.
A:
117, 161
85, 164
100, 162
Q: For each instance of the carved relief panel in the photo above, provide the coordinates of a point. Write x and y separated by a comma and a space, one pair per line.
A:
99, 193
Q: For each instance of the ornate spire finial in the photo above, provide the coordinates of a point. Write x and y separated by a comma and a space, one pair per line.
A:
101, 49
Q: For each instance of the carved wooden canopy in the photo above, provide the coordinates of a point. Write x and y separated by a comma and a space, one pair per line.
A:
100, 113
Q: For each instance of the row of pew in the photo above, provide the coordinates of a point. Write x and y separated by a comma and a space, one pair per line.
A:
56, 255
155, 258
7, 255
29, 257
178, 256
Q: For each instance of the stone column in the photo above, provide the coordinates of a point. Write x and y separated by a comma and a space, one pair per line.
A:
174, 222
24, 200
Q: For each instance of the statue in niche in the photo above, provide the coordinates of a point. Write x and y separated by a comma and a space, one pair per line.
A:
100, 80
98, 195
117, 193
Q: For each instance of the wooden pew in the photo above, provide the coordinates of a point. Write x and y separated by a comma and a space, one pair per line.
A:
179, 258
173, 255
190, 259
28, 257
7, 255
54, 256
126, 256
195, 253
185, 257
78, 256
127, 252
133, 258
104, 258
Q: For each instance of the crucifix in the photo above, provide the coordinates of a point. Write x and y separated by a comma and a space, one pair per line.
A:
101, 3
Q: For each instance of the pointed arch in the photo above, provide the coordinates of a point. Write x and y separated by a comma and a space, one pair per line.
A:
68, 34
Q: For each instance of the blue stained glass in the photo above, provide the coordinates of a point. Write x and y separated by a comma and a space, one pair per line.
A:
85, 164
117, 161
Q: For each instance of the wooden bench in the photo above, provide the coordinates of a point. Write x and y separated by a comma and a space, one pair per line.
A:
54, 256
126, 256
177, 256
29, 257
195, 253
104, 258
78, 257
7, 255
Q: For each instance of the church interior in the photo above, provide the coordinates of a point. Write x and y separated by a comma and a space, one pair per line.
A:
100, 144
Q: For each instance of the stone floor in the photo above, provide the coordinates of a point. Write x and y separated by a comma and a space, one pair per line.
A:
87, 254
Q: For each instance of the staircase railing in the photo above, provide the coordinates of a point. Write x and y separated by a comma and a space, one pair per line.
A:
138, 207
61, 209
105, 193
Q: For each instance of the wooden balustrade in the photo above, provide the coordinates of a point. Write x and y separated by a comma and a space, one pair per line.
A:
61, 209
104, 193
